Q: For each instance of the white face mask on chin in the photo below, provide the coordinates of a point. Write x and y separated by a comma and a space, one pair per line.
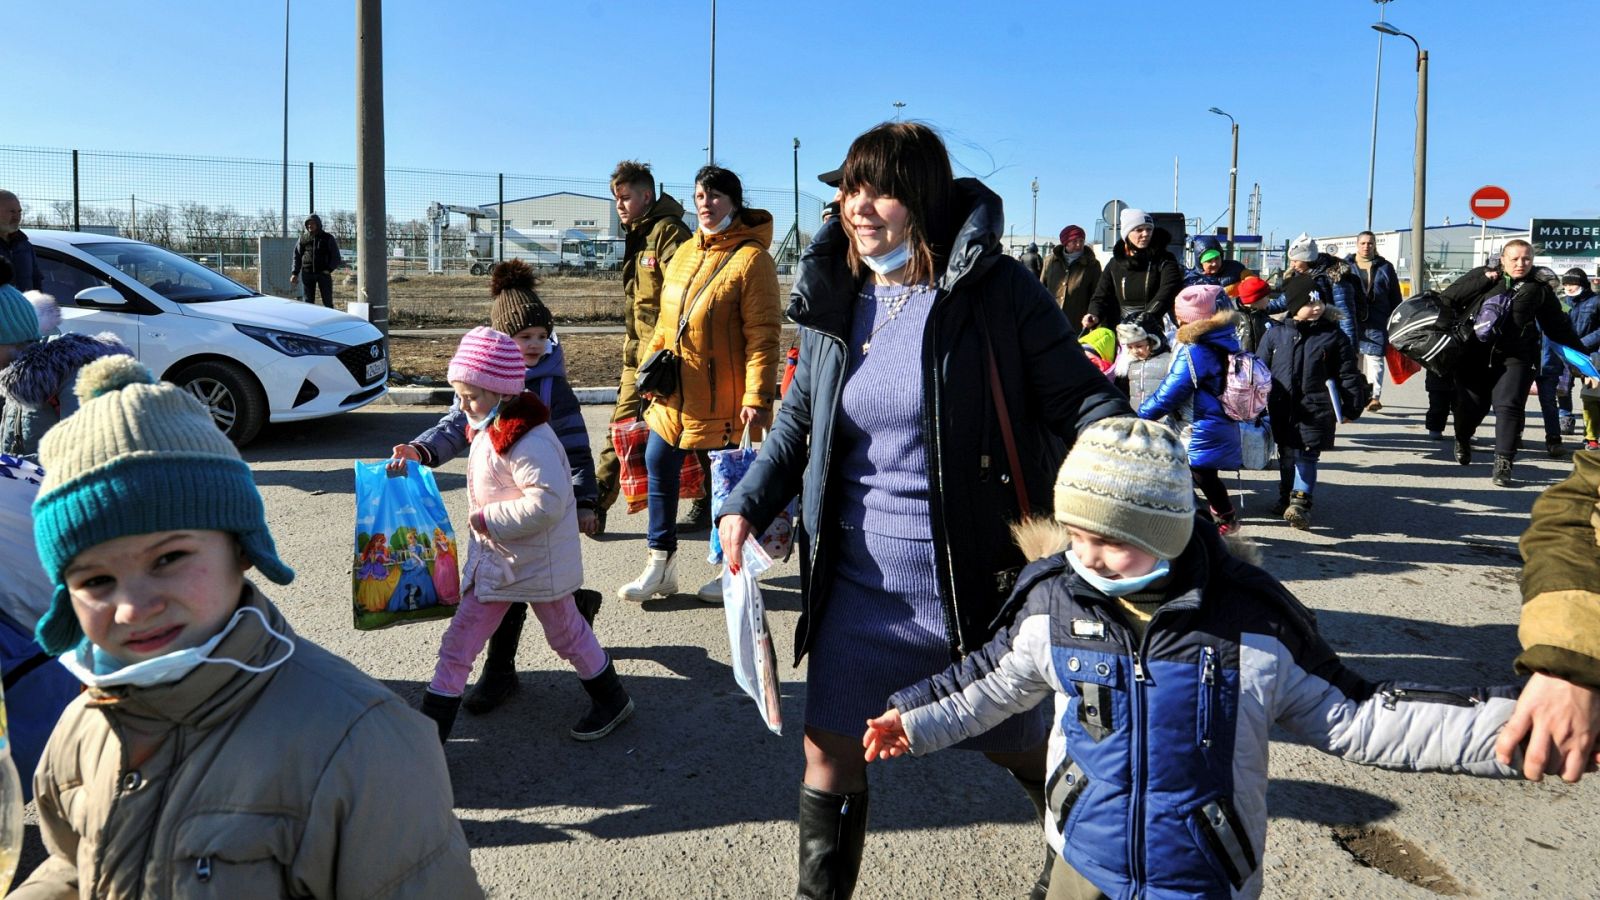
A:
99, 669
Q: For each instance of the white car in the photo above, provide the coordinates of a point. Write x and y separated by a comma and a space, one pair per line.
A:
248, 357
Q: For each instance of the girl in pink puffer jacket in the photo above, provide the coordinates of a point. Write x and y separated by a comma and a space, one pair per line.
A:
523, 540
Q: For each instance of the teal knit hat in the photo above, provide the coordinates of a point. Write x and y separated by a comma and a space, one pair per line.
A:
18, 321
137, 457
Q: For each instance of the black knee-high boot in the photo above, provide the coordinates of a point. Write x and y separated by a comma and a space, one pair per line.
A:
833, 829
499, 679
1035, 792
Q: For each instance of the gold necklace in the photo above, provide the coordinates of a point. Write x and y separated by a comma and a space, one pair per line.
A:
892, 305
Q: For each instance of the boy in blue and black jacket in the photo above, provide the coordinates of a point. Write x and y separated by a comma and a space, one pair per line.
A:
518, 313
1169, 659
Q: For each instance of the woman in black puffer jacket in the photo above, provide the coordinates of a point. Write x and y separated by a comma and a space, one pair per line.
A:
1140, 282
1498, 373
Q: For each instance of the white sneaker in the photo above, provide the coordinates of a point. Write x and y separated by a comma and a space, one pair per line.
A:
711, 591
659, 579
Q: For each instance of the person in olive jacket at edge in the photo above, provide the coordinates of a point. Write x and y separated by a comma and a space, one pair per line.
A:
1141, 281
890, 434
1499, 373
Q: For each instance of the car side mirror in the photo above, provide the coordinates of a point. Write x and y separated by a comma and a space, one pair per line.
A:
101, 295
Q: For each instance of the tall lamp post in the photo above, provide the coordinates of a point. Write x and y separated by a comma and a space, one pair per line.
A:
1233, 179
796, 249
283, 227
1419, 185
1377, 79
1034, 235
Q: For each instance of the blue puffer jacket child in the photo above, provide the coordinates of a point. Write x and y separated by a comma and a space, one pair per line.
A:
1584, 314
1195, 382
1158, 751
548, 380
1349, 299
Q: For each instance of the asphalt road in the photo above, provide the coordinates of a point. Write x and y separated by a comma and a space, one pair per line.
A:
1411, 566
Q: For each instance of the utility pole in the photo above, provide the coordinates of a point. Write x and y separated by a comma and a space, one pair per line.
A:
1419, 194
283, 226
372, 254
797, 198
1034, 236
711, 127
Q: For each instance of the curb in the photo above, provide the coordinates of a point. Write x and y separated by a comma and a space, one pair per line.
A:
443, 396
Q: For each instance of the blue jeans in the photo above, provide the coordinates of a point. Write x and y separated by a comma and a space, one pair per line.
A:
1554, 403
1297, 470
664, 463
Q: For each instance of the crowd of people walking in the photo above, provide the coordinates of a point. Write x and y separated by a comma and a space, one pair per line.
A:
997, 463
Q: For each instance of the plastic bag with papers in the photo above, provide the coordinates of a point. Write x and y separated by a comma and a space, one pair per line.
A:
755, 666
727, 468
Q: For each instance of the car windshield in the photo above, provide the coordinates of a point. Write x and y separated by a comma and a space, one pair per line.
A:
174, 277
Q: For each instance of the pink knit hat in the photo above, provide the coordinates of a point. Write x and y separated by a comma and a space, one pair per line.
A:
490, 360
1196, 302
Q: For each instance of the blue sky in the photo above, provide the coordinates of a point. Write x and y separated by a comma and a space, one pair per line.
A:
1093, 100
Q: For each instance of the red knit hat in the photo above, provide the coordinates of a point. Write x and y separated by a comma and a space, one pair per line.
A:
1253, 290
1070, 232
489, 360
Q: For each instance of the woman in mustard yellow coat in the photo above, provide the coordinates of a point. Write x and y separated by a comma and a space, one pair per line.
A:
720, 315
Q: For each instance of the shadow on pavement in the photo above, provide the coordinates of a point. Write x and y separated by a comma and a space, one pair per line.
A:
1326, 804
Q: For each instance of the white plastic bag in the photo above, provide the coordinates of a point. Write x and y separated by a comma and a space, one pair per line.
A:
755, 667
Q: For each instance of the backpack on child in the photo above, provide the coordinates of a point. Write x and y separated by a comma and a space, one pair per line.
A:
1246, 387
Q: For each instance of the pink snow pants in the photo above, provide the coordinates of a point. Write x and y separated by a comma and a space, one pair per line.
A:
567, 633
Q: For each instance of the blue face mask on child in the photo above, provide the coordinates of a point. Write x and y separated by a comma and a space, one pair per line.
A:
1118, 587
481, 424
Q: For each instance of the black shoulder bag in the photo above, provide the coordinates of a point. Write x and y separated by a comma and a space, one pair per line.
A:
659, 373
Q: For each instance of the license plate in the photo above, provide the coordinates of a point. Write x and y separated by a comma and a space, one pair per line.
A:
376, 369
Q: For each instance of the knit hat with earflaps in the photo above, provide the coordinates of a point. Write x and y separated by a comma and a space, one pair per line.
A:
1128, 480
138, 457
516, 305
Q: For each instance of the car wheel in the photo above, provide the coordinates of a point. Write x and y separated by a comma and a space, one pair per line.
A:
226, 390
478, 269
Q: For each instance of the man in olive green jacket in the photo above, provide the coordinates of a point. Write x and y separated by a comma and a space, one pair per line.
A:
1559, 710
655, 229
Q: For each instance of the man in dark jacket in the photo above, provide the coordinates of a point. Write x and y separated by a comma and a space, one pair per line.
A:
1141, 281
1380, 294
1071, 273
1032, 260
15, 246
316, 257
654, 227
1499, 371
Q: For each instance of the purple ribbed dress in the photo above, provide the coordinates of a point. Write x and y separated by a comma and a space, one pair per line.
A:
885, 624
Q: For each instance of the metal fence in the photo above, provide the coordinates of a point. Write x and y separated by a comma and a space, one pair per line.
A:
214, 209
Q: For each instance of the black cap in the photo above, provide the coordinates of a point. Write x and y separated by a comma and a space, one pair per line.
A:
833, 177
1575, 275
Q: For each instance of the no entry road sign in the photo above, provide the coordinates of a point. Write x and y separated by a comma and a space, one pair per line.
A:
1490, 202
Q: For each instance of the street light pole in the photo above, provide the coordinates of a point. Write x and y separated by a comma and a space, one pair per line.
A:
1233, 180
1377, 79
1033, 236
1419, 195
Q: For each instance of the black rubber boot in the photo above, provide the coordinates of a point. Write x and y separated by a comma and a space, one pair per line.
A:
499, 679
610, 705
1035, 792
696, 518
1298, 514
1463, 452
442, 710
1502, 472
588, 603
833, 829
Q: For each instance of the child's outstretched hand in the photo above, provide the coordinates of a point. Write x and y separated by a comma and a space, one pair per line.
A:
885, 737
399, 455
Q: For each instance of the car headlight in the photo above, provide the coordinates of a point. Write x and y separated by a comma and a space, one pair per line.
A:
290, 344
